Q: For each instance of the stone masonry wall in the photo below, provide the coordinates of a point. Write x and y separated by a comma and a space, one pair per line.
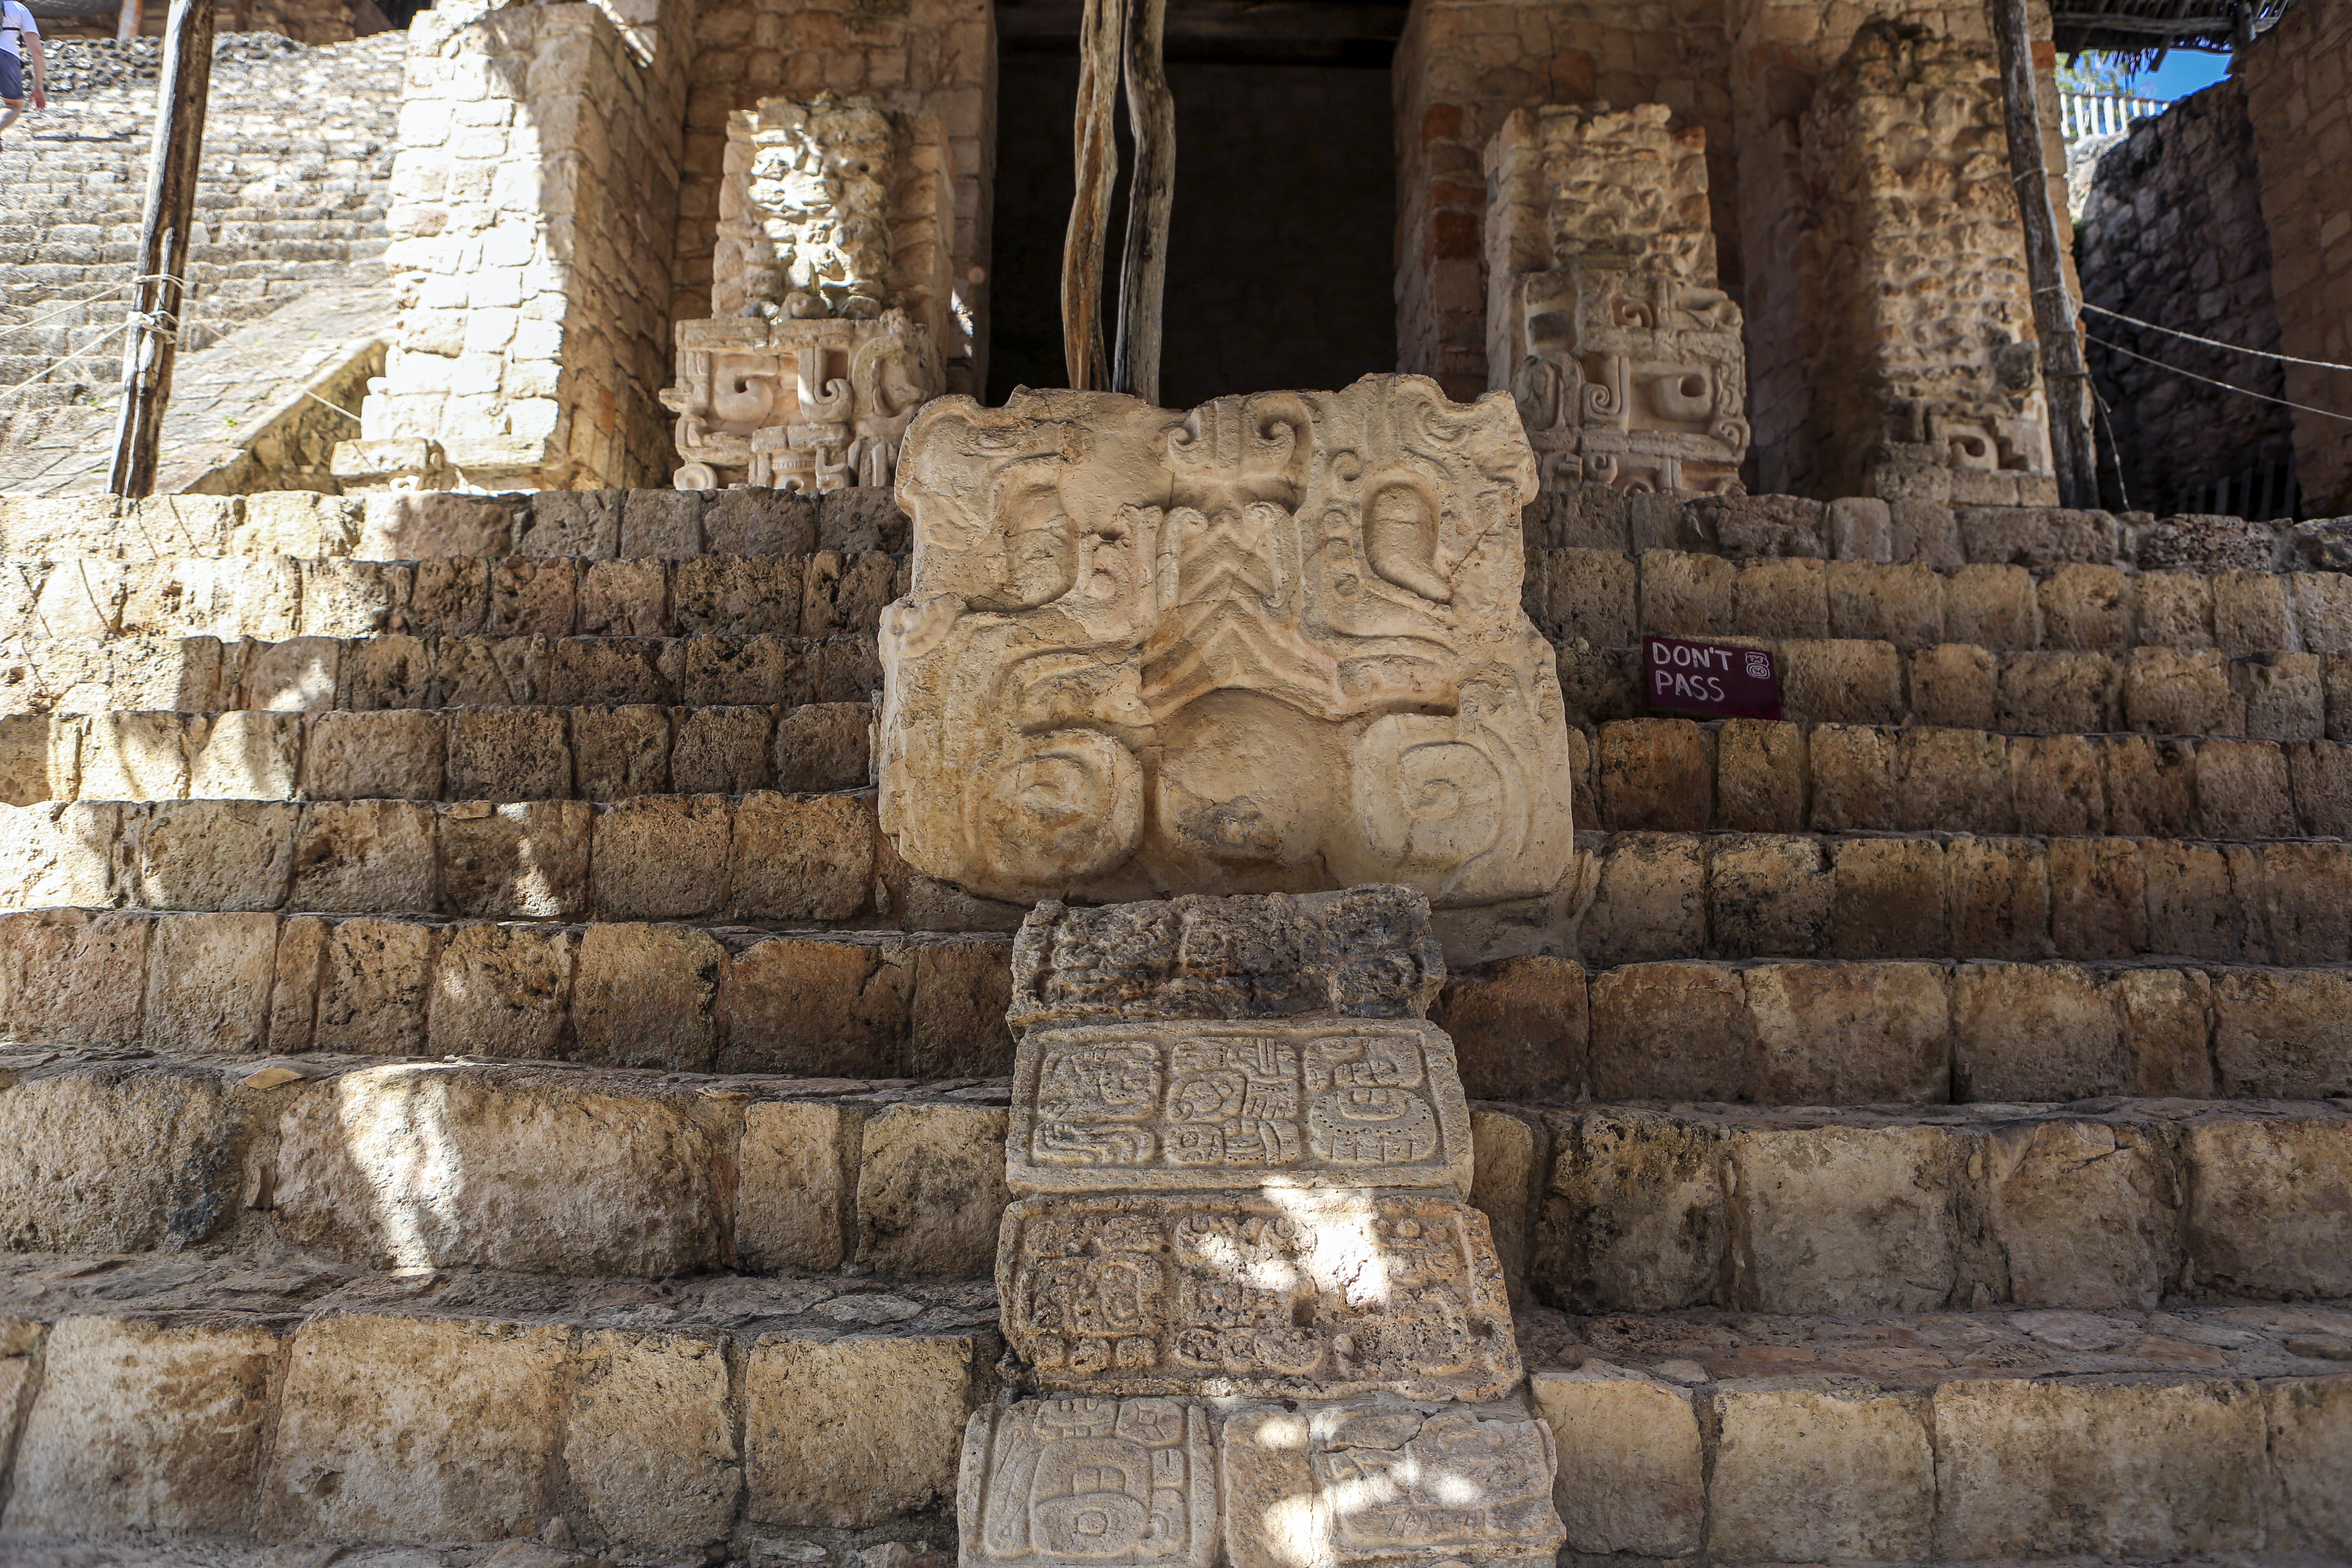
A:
916, 56
532, 215
2172, 233
1462, 67
2299, 87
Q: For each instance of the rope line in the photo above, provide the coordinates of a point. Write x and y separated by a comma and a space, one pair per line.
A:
2213, 342
81, 354
2209, 380
92, 298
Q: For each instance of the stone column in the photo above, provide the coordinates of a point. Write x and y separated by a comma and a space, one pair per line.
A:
1241, 1249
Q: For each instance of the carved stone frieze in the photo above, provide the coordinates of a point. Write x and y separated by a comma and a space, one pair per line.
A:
1359, 953
1605, 321
1109, 1483
1271, 644
1205, 1106
1283, 1294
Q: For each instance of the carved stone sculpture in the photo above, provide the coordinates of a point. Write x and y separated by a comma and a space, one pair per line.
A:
1246, 1149
1605, 321
829, 298
1272, 644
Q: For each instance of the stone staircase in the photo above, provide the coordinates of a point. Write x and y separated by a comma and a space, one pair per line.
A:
296, 171
478, 1076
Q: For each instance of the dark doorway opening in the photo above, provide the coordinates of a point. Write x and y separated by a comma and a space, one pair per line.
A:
1281, 260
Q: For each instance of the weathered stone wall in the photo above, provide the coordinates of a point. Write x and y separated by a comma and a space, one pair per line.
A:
531, 213
927, 56
2299, 87
2172, 233
1461, 67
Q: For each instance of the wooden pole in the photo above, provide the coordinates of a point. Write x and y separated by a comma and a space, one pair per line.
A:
1096, 145
2065, 383
1151, 193
150, 336
128, 19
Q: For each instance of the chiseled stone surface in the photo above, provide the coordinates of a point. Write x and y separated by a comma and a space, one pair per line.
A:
1288, 1103
1366, 952
1272, 644
1307, 1294
1089, 1480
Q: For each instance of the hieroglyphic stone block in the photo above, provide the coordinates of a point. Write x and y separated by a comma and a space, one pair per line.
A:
1604, 319
1049, 1482
1272, 644
1324, 1488
1304, 1294
1364, 952
1180, 1107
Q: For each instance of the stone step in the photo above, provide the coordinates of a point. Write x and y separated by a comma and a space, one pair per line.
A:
592, 525
1916, 532
2279, 696
223, 1405
1759, 776
1949, 1437
814, 593
1611, 600
688, 998
499, 755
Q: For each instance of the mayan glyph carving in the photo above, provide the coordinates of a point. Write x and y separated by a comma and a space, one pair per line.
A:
1129, 1482
1913, 270
1272, 644
830, 299
1324, 1104
1605, 321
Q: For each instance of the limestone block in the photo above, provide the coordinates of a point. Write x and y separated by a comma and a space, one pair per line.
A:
208, 980
846, 593
2169, 692
1518, 1027
1387, 1483
801, 857
1843, 682
1954, 780
662, 859
349, 599
362, 856
40, 758
509, 754
650, 1440
1861, 529
1055, 1482
853, 1431
861, 518
1820, 1469
1110, 1295
661, 525
1852, 771
62, 854
1649, 900
134, 756
626, 598
2057, 694
529, 860
414, 1428
113, 1158
2034, 1031
372, 988
1767, 893
930, 1189
501, 991
386, 672
1759, 777
73, 976
1365, 952
2320, 773
2085, 606
1594, 594
1784, 598
2151, 787
2196, 905
758, 523
2285, 696
1635, 1216
2098, 898
1207, 1105
2322, 602
1469, 807
1926, 531
1845, 1219
1656, 774
1899, 604
1997, 894
2298, 911
793, 1209
300, 674
1887, 899
2310, 1422
645, 996
1991, 607
2282, 1034
1671, 1032
956, 1025
2056, 780
619, 753
433, 524
2167, 1023
446, 598
817, 1008
1631, 1477
2263, 1196
1841, 1034
582, 523
141, 1424
245, 756
534, 598
2175, 610
2249, 613
1953, 683
573, 671
1509, 1172
2083, 1214
2033, 1467
721, 751
820, 747
739, 596
430, 1166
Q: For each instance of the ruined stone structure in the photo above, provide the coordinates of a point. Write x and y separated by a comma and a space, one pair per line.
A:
1269, 643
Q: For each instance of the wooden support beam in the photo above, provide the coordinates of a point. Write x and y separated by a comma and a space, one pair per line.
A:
150, 338
1151, 193
128, 19
2065, 383
1094, 143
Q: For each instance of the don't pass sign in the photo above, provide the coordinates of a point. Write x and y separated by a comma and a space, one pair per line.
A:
1710, 679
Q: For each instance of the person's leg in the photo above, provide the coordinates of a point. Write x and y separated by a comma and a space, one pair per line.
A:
12, 89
